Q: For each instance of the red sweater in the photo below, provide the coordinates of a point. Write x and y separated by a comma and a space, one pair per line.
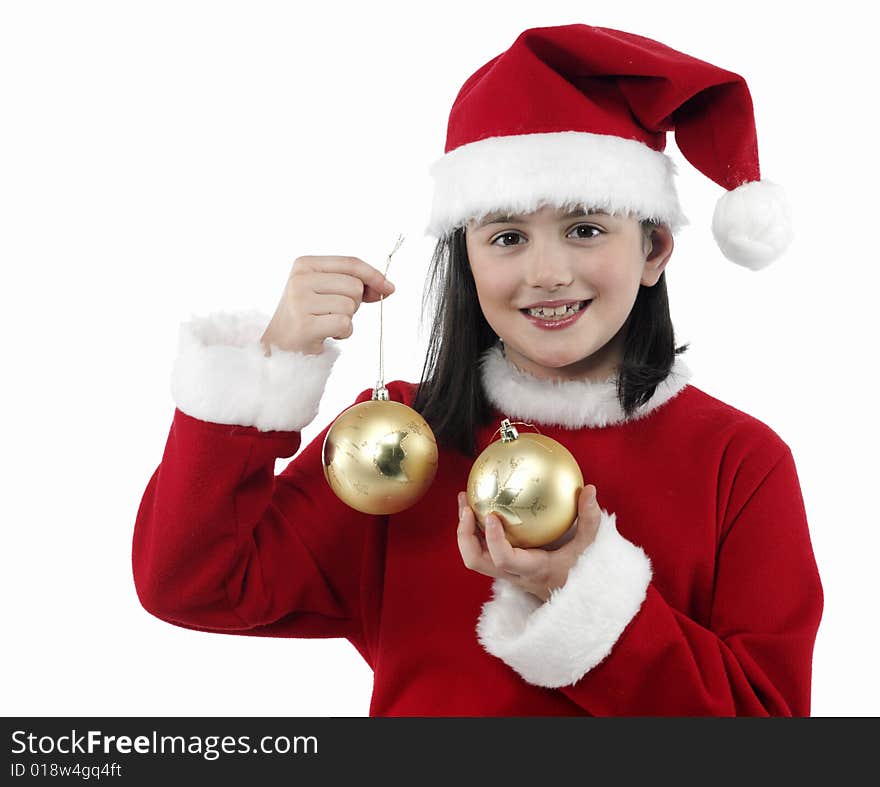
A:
700, 595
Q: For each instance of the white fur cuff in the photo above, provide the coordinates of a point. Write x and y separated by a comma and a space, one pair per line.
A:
556, 643
222, 374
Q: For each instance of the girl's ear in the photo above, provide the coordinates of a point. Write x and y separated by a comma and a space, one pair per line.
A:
662, 244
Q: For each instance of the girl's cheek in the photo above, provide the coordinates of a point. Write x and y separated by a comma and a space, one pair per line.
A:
610, 278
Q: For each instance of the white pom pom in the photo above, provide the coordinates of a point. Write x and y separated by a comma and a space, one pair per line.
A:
752, 224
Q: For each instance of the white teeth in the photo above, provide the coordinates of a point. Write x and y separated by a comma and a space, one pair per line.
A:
555, 313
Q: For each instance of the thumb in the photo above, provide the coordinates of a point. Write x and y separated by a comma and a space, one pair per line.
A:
589, 515
587, 500
377, 290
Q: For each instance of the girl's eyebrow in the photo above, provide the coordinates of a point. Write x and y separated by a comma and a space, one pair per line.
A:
503, 218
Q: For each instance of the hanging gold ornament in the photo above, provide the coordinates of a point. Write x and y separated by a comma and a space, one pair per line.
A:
530, 482
380, 456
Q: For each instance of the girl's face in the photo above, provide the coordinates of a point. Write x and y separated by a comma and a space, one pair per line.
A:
563, 257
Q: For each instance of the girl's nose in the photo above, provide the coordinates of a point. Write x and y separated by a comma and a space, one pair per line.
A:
546, 269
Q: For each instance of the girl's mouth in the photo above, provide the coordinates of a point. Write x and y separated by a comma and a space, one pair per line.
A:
548, 319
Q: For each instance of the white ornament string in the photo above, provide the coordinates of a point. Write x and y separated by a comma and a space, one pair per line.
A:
380, 391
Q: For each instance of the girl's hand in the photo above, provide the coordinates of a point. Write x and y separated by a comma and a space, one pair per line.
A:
537, 571
319, 300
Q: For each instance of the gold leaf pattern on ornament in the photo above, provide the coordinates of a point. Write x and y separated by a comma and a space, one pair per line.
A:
502, 496
413, 427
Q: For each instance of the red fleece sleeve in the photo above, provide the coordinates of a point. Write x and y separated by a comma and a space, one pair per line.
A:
754, 657
223, 544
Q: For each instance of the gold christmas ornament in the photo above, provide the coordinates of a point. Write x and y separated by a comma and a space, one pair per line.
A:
380, 456
530, 482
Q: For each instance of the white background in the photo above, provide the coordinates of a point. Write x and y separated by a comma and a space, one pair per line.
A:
168, 159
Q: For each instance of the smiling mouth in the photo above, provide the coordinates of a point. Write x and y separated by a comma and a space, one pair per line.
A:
559, 313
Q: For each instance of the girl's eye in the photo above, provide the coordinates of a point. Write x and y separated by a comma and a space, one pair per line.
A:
513, 233
505, 235
588, 227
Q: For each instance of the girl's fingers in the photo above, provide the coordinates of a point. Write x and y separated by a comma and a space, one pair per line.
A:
528, 563
330, 304
589, 516
372, 284
473, 553
496, 557
500, 549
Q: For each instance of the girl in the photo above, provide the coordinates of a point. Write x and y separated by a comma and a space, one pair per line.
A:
693, 591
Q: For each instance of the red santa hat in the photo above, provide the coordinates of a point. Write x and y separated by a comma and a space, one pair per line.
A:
577, 115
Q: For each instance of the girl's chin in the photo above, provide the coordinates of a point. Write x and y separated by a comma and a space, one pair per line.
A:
547, 365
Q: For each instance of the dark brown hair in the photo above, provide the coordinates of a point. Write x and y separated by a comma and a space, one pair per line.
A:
450, 396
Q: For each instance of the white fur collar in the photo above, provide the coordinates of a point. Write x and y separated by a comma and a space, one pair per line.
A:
569, 403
